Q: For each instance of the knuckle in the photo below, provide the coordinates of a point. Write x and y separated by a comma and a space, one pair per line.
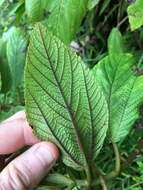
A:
20, 175
2, 186
16, 179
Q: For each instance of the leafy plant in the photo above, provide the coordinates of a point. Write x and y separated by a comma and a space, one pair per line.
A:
135, 14
91, 109
121, 86
81, 111
49, 60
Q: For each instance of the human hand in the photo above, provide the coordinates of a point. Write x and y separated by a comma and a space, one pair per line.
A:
27, 170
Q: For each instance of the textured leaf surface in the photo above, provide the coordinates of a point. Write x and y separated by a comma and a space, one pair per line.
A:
63, 101
123, 91
135, 14
16, 49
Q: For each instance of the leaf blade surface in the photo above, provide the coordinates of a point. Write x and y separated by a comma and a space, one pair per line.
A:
123, 91
135, 14
63, 101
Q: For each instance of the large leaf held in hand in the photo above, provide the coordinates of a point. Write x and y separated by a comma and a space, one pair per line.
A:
63, 101
123, 91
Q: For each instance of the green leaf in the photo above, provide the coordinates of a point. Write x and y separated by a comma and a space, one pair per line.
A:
104, 6
123, 91
2, 2
16, 50
92, 4
135, 14
62, 17
65, 18
4, 68
64, 103
115, 42
36, 9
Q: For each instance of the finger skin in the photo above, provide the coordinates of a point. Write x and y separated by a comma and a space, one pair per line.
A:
15, 133
27, 170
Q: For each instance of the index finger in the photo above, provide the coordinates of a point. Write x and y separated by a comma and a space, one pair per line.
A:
15, 133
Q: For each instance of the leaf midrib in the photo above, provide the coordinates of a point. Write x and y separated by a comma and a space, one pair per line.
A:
90, 153
111, 89
60, 88
76, 161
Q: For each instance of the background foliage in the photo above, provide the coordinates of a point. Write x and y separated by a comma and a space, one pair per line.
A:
99, 31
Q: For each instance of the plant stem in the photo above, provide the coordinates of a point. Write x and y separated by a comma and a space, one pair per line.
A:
101, 180
113, 173
59, 179
122, 21
63, 181
103, 183
119, 11
87, 170
116, 171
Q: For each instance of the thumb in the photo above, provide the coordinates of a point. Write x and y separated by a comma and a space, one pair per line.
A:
27, 170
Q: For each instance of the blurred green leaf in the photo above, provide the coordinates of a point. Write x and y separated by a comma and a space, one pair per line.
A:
65, 18
1, 2
15, 7
135, 14
12, 110
4, 68
115, 42
92, 4
104, 7
36, 9
16, 50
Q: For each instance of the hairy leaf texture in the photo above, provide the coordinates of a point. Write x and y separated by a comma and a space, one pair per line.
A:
64, 103
123, 91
